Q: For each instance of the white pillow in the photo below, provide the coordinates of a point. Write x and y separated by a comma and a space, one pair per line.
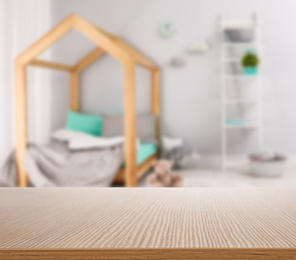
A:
79, 140
64, 135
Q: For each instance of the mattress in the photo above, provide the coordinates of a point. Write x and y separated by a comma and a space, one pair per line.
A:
145, 151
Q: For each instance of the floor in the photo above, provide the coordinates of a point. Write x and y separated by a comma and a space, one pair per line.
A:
232, 178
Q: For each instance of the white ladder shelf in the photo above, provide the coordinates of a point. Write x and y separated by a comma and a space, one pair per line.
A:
252, 24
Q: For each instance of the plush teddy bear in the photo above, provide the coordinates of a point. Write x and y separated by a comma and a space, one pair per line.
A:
163, 177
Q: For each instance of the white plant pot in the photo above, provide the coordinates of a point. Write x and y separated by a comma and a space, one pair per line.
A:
268, 169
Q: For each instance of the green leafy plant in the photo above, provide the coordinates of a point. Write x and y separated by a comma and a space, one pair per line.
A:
250, 59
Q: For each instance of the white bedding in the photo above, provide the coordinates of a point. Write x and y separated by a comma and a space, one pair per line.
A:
79, 140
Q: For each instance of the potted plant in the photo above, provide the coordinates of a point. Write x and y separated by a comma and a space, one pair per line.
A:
250, 62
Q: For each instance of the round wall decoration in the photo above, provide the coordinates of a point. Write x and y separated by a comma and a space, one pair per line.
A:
167, 29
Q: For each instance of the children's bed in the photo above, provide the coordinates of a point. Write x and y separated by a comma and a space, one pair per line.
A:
62, 164
136, 164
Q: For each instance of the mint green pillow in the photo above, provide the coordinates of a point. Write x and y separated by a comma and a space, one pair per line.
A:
92, 125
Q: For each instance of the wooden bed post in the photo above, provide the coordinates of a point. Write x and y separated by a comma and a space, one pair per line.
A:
21, 121
155, 104
74, 91
130, 122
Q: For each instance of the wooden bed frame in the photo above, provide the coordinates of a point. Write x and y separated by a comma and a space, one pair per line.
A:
110, 44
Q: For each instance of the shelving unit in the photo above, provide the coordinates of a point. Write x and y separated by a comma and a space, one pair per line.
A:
239, 78
241, 101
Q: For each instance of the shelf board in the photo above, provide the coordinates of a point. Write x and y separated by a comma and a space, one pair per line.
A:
241, 101
240, 77
247, 24
232, 60
240, 126
241, 44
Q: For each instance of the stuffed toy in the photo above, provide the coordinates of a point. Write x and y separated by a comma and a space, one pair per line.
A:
178, 151
163, 177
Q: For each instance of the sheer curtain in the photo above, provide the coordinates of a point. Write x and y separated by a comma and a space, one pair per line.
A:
21, 24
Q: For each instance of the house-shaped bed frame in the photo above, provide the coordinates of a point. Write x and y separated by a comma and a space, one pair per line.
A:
107, 43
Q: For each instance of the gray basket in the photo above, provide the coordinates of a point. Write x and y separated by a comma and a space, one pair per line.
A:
239, 35
268, 168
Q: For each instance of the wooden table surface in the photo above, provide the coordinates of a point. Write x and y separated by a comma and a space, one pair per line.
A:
140, 223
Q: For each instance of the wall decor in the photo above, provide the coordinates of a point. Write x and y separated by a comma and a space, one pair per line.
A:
198, 47
177, 62
167, 29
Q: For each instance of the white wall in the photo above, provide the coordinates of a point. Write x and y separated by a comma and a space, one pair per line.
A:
5, 88
21, 24
191, 96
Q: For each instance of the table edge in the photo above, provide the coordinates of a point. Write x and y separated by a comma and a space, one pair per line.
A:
151, 253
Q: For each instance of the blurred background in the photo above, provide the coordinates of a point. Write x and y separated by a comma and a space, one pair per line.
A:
223, 124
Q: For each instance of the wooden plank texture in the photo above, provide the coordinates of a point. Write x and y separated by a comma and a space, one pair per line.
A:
146, 218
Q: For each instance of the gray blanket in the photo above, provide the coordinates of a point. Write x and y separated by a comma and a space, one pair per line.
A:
54, 165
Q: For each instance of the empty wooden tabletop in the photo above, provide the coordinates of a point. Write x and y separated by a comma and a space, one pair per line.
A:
140, 223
